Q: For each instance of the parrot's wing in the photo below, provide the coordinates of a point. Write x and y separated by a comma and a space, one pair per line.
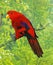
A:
25, 25
28, 30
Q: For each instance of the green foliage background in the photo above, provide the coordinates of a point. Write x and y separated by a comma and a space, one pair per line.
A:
19, 52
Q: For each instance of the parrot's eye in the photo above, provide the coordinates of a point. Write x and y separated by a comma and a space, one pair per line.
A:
11, 13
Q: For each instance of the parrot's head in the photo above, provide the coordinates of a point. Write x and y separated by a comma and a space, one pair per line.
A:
12, 14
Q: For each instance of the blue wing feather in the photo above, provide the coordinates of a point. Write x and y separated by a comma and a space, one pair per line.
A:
25, 25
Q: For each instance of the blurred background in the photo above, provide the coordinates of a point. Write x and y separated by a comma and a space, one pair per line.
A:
40, 13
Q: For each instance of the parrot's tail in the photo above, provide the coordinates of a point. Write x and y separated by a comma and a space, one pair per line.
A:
35, 46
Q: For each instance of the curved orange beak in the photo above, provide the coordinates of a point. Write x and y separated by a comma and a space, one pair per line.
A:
7, 16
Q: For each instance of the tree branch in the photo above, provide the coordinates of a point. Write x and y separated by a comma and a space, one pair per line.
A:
42, 27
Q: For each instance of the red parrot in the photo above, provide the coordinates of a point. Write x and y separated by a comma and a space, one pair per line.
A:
23, 27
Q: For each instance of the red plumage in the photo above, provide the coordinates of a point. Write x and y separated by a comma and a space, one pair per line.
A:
23, 27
